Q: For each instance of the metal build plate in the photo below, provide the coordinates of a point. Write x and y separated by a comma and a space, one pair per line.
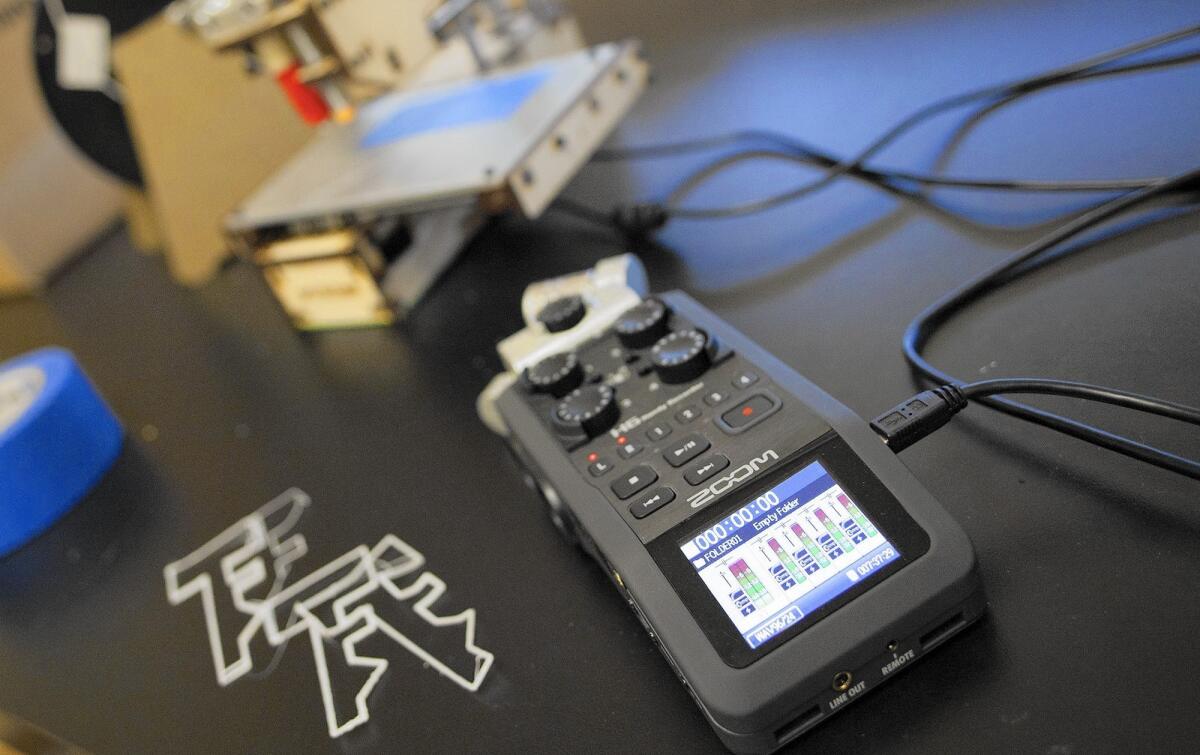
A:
434, 147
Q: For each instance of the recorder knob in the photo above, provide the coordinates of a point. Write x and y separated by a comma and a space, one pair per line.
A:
640, 326
562, 314
557, 375
592, 408
682, 356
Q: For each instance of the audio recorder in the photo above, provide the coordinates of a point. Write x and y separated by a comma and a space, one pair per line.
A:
778, 554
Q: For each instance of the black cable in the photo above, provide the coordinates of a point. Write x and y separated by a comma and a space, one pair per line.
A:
1023, 85
922, 328
790, 148
919, 416
843, 167
884, 182
1088, 392
639, 218
682, 147
658, 213
677, 148
895, 185
810, 156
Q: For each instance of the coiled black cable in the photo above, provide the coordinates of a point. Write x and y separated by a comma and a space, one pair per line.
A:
642, 218
922, 328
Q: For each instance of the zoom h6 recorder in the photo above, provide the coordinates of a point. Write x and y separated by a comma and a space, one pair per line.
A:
780, 556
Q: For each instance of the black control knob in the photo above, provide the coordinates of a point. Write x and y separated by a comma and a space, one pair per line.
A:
683, 355
557, 375
592, 408
562, 314
642, 325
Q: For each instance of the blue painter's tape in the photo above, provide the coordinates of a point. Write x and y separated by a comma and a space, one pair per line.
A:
57, 439
479, 101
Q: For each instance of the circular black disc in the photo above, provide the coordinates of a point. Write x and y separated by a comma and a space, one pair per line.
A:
556, 375
642, 325
562, 314
93, 121
679, 347
681, 356
592, 408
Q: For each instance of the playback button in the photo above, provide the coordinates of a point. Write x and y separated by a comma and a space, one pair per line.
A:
701, 470
686, 449
658, 498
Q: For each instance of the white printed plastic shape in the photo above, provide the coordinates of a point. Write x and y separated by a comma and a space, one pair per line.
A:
347, 599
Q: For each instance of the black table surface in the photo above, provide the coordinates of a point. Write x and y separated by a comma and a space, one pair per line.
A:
1090, 559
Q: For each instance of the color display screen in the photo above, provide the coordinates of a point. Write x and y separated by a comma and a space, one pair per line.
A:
786, 553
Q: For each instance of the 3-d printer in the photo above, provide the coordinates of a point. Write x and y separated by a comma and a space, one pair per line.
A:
443, 114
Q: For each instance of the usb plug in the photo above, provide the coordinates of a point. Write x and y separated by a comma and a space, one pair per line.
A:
908, 422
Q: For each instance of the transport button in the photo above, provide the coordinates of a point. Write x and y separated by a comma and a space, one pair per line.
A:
635, 481
701, 470
599, 467
745, 379
749, 412
712, 398
658, 498
686, 449
658, 432
687, 414
629, 449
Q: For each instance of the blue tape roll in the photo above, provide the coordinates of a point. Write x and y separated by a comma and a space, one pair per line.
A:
57, 439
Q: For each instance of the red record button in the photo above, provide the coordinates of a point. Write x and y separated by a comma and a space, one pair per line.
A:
748, 413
